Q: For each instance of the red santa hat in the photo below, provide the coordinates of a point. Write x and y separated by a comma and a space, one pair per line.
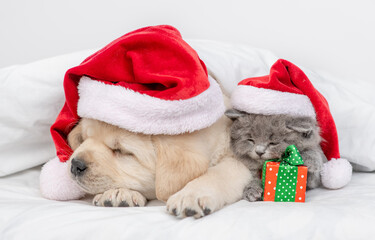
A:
287, 90
148, 81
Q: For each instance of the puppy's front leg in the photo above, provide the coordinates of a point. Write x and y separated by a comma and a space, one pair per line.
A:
119, 197
176, 165
220, 185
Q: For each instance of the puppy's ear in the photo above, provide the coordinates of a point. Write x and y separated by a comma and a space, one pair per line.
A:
176, 165
304, 125
234, 114
75, 137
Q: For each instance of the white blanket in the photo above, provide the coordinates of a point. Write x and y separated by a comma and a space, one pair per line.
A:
348, 213
31, 96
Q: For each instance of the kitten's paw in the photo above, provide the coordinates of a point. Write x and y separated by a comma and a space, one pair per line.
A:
313, 180
312, 161
119, 197
253, 193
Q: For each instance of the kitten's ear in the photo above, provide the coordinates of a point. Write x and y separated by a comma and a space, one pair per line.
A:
234, 114
302, 125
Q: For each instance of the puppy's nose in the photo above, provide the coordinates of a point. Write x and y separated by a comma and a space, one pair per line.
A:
78, 167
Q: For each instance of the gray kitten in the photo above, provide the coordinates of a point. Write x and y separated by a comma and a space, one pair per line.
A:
256, 138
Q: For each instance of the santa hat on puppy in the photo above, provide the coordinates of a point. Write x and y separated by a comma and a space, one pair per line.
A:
287, 90
148, 81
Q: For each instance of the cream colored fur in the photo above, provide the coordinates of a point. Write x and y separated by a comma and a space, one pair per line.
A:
195, 173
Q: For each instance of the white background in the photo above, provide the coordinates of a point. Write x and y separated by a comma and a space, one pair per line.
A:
333, 36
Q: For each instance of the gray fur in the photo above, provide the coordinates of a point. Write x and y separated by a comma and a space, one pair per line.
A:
256, 138
234, 114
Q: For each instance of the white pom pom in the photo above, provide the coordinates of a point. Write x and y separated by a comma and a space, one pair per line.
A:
336, 173
56, 184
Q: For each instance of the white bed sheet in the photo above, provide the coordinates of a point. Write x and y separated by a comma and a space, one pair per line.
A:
348, 213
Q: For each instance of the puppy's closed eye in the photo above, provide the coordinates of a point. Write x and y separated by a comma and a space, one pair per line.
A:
122, 152
75, 137
116, 151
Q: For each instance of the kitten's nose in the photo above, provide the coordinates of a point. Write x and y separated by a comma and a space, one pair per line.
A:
260, 150
78, 167
260, 153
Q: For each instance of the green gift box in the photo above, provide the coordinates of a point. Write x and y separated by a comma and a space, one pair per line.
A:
284, 179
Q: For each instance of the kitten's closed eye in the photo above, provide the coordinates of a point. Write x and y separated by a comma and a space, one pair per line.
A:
273, 143
251, 140
307, 134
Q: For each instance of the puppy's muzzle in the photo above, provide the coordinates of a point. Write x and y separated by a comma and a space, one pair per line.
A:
78, 167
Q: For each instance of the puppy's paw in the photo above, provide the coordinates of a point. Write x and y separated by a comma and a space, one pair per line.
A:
120, 197
187, 204
253, 193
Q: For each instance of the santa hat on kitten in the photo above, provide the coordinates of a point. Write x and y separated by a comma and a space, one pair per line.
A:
148, 81
287, 90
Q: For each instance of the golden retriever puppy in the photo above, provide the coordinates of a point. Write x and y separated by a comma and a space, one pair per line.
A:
195, 173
